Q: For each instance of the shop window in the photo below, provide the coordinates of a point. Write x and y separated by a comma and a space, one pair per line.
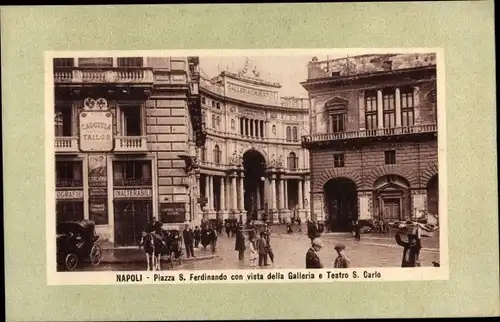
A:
69, 211
69, 174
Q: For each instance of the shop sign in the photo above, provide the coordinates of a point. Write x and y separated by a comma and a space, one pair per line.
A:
132, 193
98, 192
69, 194
173, 212
96, 131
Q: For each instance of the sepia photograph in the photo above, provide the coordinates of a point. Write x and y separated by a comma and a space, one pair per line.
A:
291, 161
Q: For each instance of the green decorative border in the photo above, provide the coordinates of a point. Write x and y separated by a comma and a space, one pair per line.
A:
463, 29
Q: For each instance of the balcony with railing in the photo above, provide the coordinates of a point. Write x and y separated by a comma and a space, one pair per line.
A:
79, 75
66, 144
308, 140
131, 144
248, 138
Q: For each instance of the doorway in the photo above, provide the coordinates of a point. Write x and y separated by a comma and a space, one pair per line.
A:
340, 197
131, 218
391, 209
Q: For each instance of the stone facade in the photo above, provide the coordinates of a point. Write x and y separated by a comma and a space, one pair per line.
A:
377, 129
152, 102
246, 114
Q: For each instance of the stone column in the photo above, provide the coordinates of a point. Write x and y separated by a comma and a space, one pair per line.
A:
234, 193
207, 192
212, 195
397, 95
258, 196
285, 194
308, 197
223, 197
301, 197
380, 109
282, 194
361, 107
273, 192
416, 105
242, 200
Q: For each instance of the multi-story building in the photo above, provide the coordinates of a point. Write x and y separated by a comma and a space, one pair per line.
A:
373, 141
125, 131
253, 162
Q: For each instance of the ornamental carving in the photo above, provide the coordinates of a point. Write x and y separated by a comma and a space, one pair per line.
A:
274, 115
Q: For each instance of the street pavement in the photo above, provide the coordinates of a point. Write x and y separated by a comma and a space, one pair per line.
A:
374, 250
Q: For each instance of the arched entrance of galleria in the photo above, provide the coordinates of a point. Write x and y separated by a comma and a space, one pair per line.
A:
254, 165
341, 203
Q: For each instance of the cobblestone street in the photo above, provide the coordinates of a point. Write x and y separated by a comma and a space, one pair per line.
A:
289, 250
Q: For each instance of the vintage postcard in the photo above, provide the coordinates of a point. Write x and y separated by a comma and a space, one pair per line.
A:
242, 166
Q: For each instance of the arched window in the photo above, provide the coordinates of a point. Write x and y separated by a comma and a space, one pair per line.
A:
288, 133
217, 154
218, 121
295, 134
292, 160
274, 129
203, 100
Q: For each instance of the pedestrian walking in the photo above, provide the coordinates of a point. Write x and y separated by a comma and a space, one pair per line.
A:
357, 230
188, 237
262, 249
227, 227
253, 251
197, 236
240, 243
341, 261
213, 238
312, 256
411, 249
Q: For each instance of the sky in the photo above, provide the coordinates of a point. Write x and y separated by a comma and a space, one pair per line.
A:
289, 71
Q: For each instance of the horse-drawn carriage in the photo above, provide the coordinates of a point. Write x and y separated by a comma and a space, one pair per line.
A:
168, 243
77, 242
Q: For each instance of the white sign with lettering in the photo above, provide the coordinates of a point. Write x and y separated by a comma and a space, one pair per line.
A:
69, 194
96, 131
132, 193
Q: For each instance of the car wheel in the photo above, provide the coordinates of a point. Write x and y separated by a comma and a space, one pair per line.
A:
95, 255
71, 261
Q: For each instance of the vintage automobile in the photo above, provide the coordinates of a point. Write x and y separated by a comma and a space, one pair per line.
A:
76, 243
173, 241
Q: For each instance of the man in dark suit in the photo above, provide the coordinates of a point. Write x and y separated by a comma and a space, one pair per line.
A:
312, 257
188, 237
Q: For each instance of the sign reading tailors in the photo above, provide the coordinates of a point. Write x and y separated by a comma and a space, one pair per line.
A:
132, 193
96, 131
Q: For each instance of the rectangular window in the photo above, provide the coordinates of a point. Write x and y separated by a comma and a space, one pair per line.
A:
69, 174
69, 211
130, 62
407, 109
337, 122
132, 173
63, 120
203, 100
64, 62
217, 105
389, 109
338, 160
98, 62
131, 120
371, 111
390, 157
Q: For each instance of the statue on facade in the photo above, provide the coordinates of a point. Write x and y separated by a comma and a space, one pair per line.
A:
234, 159
273, 161
280, 161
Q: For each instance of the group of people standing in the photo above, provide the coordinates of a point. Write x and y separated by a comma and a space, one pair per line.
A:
207, 235
259, 245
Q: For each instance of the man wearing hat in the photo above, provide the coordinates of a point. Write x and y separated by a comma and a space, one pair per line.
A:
341, 261
312, 256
